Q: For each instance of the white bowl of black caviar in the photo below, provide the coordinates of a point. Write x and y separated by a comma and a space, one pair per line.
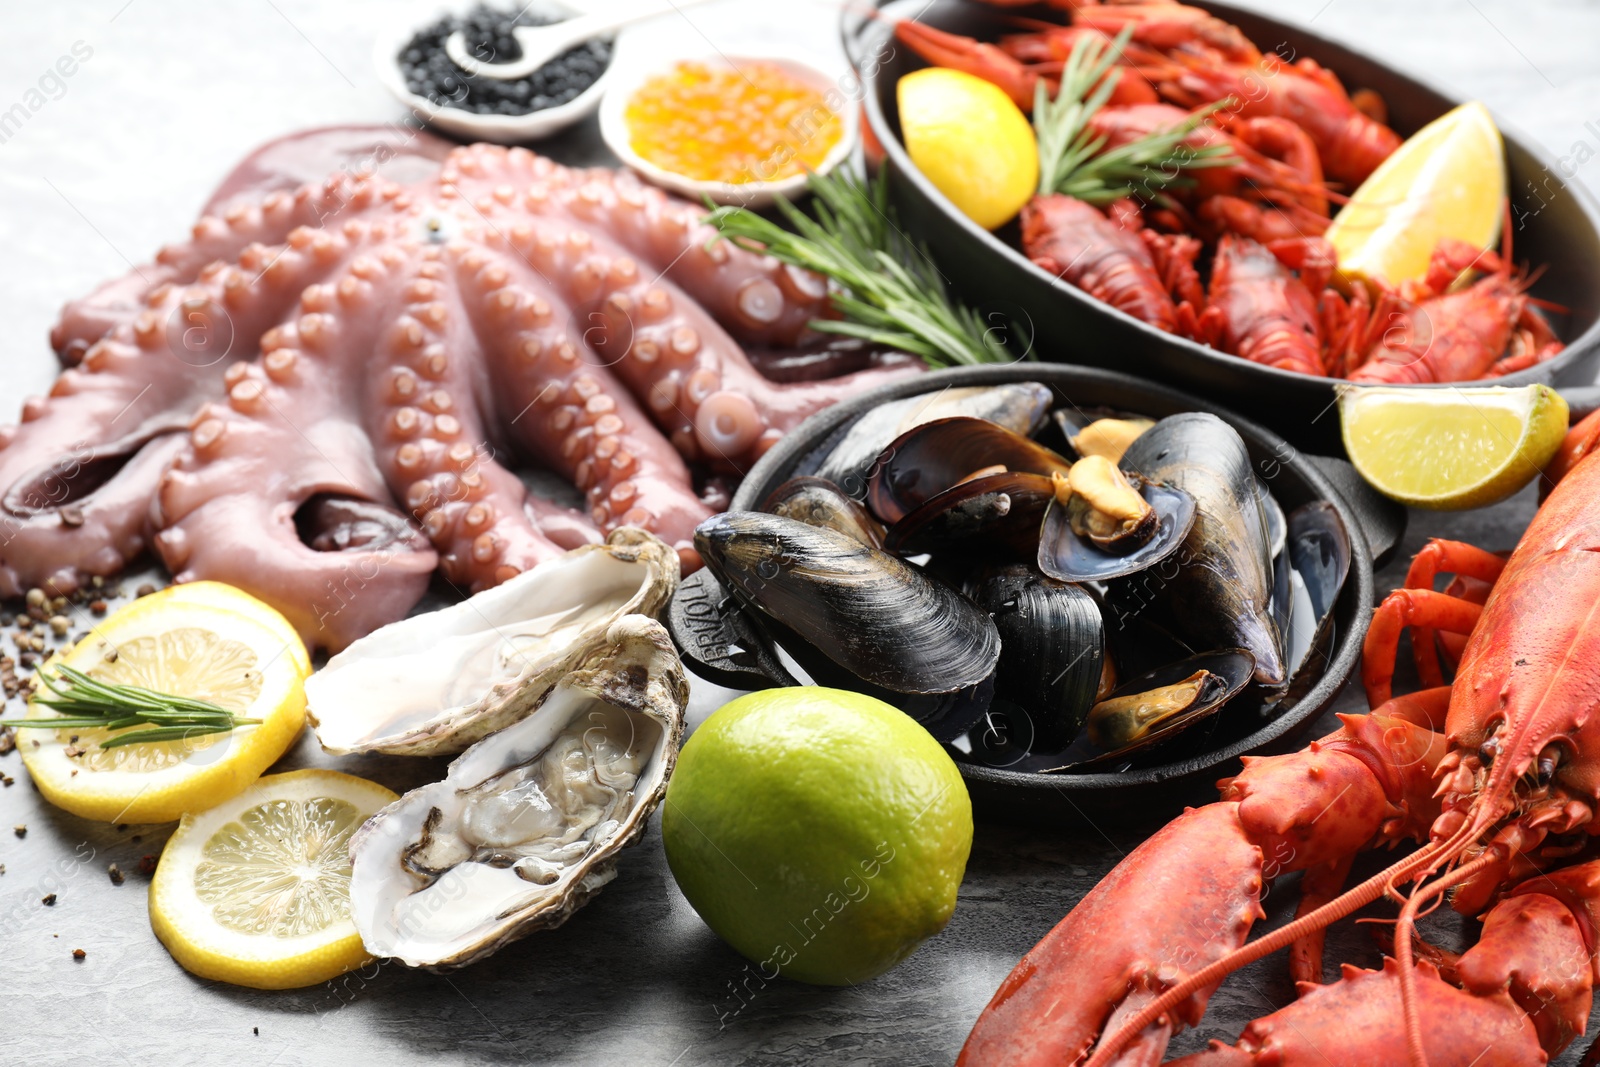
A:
412, 63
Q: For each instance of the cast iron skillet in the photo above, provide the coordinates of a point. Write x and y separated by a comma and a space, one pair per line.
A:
1294, 478
1556, 224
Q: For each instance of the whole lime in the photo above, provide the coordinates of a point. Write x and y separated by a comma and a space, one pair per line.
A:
821, 833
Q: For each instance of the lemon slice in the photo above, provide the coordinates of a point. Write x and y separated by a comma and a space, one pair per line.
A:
256, 891
208, 641
1448, 180
1449, 449
971, 142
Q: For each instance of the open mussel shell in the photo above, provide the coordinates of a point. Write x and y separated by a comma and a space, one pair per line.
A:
874, 616
1220, 595
995, 514
818, 502
1272, 515
1052, 648
1313, 568
926, 461
1017, 406
1143, 712
1068, 557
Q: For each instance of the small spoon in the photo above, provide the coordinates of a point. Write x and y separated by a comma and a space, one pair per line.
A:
541, 44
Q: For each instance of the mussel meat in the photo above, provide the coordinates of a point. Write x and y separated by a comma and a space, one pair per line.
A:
1102, 506
1220, 591
1067, 555
1108, 438
1118, 722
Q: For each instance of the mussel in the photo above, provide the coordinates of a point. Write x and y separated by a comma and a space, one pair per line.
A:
1313, 571
1069, 551
993, 515
936, 457
1052, 650
1120, 721
1143, 712
818, 502
967, 480
1219, 592
848, 612
1017, 406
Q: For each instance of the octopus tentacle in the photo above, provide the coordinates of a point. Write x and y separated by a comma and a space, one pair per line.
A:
82, 467
561, 406
289, 435
214, 239
759, 300
429, 419
702, 389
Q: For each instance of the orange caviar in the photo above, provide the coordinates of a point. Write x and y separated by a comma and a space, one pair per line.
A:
757, 123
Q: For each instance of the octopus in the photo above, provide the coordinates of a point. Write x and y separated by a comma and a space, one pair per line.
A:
324, 395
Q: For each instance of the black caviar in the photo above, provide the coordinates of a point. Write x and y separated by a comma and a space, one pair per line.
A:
429, 72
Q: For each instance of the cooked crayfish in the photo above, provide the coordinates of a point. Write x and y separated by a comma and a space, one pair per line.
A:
1431, 334
1114, 259
1497, 774
1186, 56
1260, 309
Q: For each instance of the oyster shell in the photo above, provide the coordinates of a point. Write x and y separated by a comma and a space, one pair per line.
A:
528, 824
435, 683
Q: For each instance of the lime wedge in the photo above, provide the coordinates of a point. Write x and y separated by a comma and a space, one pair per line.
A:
1448, 180
1450, 449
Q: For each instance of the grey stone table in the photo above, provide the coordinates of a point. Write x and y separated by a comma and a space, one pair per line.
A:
106, 165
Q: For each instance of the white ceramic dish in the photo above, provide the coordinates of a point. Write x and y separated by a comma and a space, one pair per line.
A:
501, 129
841, 93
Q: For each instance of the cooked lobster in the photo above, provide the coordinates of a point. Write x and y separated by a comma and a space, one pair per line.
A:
1498, 775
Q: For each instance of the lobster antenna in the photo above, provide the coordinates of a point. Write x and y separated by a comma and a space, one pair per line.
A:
1403, 948
1425, 858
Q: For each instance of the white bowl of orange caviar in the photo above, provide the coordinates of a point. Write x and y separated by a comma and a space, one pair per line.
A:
740, 129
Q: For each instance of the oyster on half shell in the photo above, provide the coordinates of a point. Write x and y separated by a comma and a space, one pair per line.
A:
527, 825
435, 683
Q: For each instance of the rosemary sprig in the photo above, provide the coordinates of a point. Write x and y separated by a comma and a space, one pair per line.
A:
86, 703
1072, 159
890, 293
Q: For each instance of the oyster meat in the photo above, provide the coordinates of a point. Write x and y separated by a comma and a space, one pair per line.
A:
528, 824
435, 683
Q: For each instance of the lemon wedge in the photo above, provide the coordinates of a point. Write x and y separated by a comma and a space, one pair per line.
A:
256, 891
1449, 449
208, 641
1447, 180
971, 142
